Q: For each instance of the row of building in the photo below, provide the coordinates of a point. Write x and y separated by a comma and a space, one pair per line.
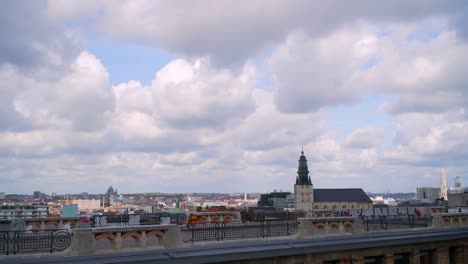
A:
308, 198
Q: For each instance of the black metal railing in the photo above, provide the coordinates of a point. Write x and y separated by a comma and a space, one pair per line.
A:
34, 241
261, 215
157, 218
138, 219
396, 222
222, 231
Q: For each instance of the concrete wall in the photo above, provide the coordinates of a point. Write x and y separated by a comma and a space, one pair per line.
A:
309, 227
303, 197
438, 253
449, 220
441, 246
85, 240
457, 199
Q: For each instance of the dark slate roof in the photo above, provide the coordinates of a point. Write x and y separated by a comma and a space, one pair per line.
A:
341, 195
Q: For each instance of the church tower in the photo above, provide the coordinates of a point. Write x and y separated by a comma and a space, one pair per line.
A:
303, 189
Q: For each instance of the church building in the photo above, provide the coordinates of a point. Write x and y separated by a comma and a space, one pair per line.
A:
307, 198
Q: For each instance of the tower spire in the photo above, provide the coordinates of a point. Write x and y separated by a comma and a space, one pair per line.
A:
443, 186
303, 171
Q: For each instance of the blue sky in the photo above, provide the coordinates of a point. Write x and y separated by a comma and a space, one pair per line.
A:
127, 61
216, 98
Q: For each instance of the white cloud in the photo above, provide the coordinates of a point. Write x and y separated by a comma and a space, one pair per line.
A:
203, 125
426, 75
80, 96
439, 140
197, 95
369, 137
31, 38
312, 73
268, 128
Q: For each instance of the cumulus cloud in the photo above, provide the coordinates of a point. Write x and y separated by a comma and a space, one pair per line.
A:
12, 84
81, 96
425, 75
197, 95
423, 71
312, 73
370, 137
30, 37
231, 33
430, 139
268, 128
203, 121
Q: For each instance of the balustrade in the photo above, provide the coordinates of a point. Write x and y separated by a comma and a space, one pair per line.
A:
85, 239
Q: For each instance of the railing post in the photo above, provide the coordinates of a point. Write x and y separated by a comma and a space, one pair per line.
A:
51, 241
83, 242
193, 231
223, 230
268, 229
411, 221
7, 242
15, 241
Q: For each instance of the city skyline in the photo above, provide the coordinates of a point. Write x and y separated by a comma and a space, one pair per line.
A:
153, 96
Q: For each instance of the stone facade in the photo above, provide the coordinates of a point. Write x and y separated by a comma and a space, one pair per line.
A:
303, 197
458, 199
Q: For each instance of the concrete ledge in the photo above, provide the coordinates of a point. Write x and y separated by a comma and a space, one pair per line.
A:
329, 225
270, 249
84, 240
447, 220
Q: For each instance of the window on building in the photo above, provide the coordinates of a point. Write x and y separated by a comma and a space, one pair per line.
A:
425, 257
402, 258
452, 255
373, 260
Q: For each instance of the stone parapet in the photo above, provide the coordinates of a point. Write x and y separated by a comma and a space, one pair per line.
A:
44, 223
448, 245
329, 225
85, 239
449, 220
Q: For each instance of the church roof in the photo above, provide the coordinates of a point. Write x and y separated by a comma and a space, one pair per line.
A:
341, 195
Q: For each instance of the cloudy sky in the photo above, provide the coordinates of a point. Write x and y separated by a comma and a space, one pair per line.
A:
220, 96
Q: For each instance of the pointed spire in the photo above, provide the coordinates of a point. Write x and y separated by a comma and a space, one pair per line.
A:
303, 171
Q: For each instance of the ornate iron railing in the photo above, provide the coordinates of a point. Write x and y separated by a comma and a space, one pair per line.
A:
157, 218
262, 215
222, 231
395, 222
34, 241
136, 219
